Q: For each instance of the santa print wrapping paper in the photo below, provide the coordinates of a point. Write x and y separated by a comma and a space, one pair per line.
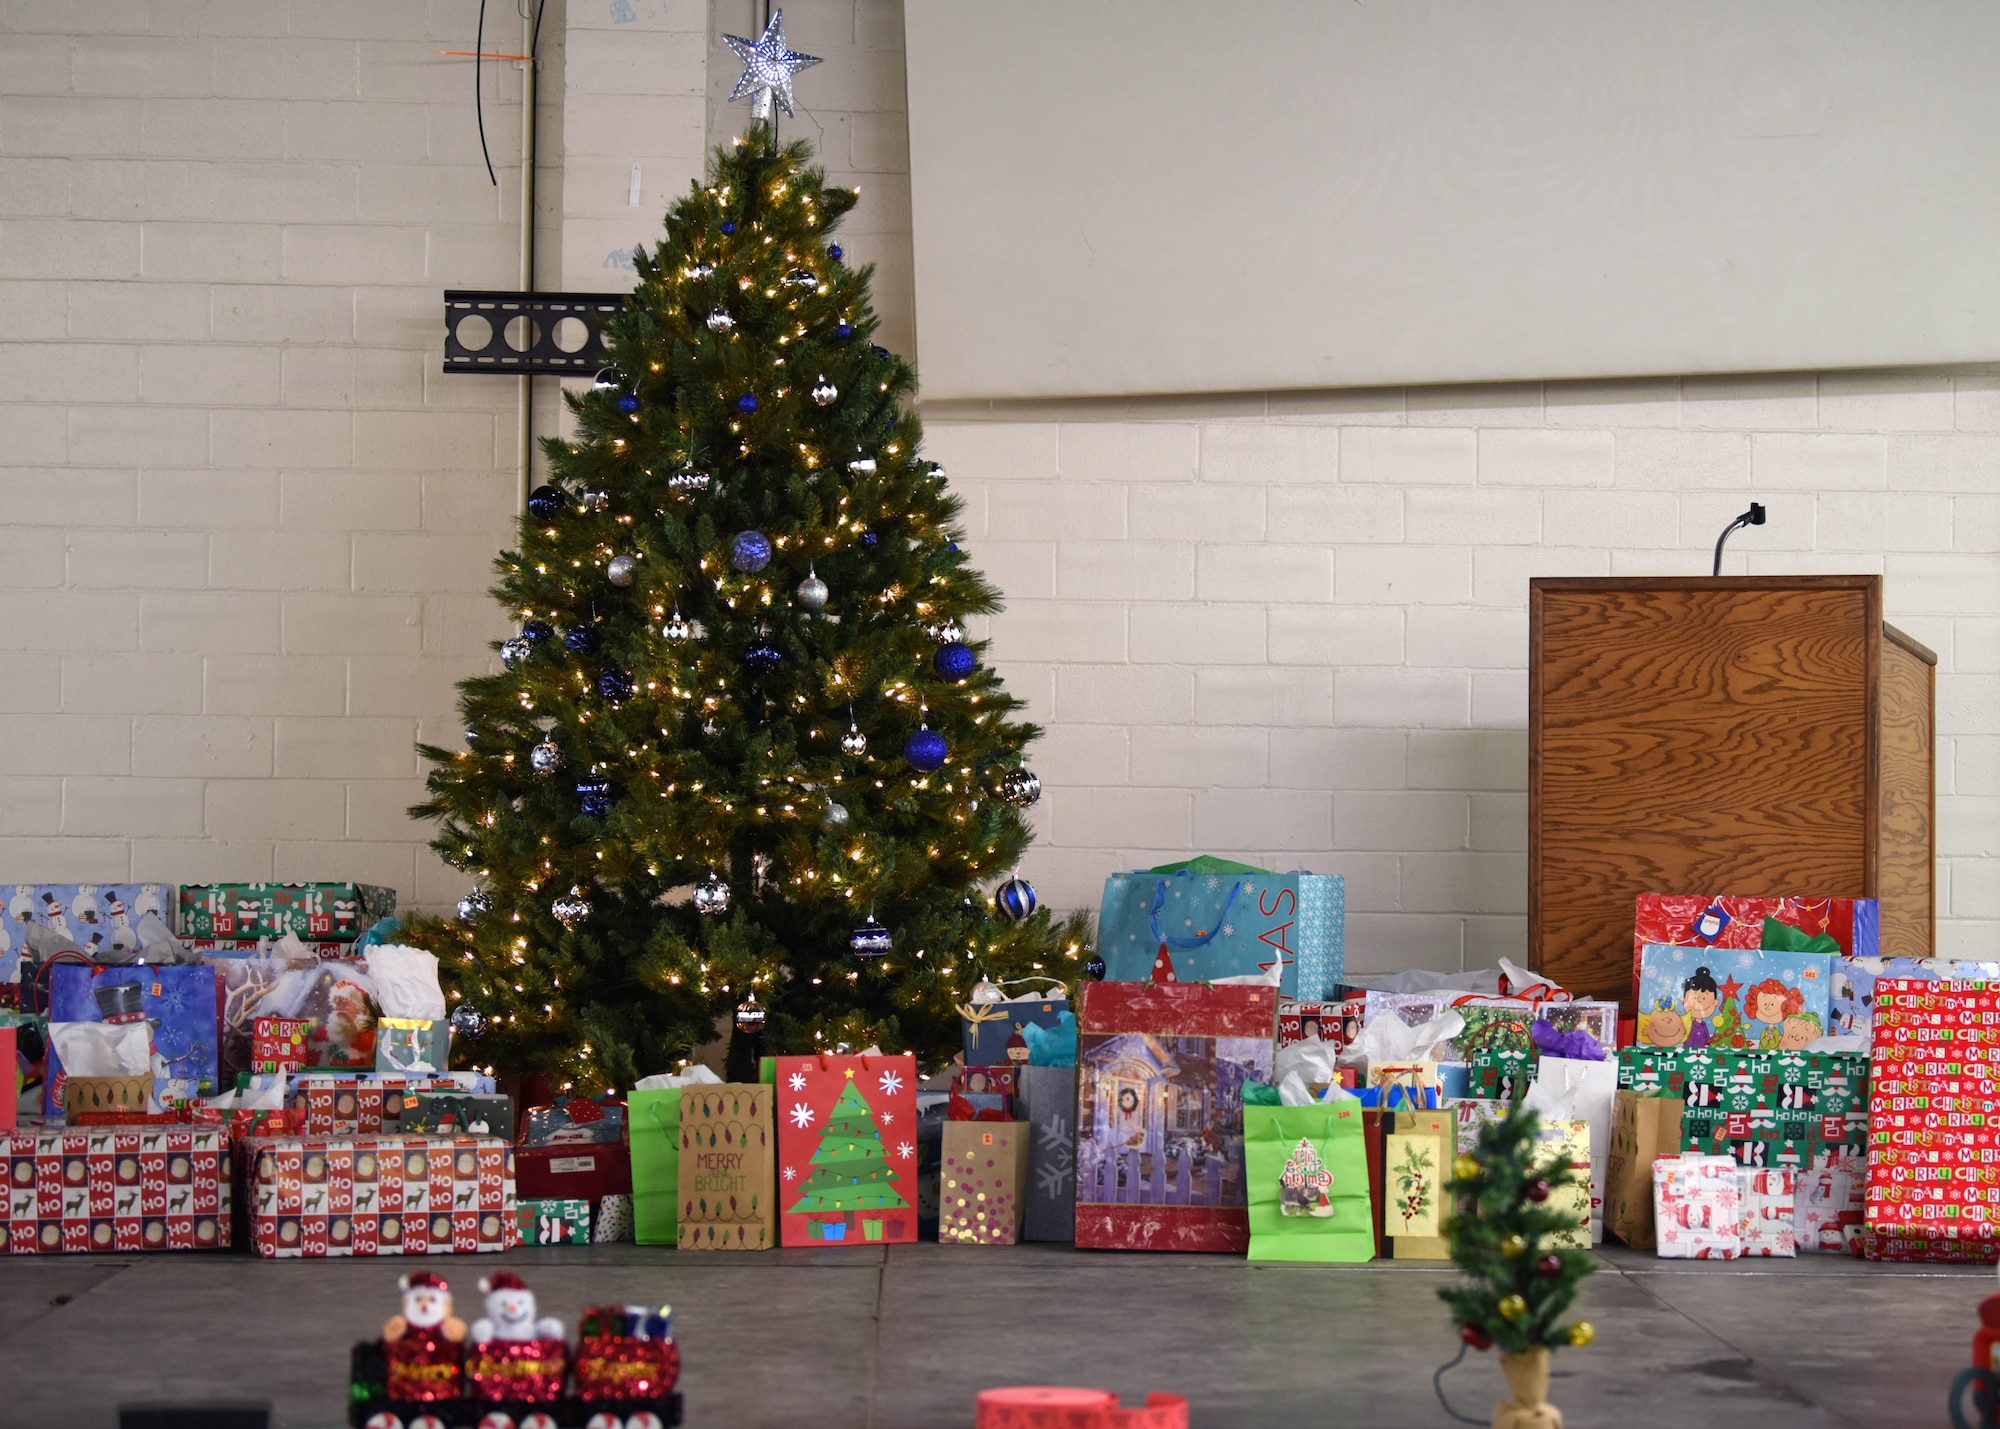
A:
1697, 1207
1160, 1073
115, 1189
313, 1197
1933, 1155
1786, 1109
847, 1150
351, 1106
1765, 1224
1706, 920
1826, 1202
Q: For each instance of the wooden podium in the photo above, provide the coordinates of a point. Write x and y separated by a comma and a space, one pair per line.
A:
1751, 735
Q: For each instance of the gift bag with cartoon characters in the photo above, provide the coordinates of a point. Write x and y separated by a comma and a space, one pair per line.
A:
847, 1149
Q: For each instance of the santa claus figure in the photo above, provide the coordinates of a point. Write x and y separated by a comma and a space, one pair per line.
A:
423, 1343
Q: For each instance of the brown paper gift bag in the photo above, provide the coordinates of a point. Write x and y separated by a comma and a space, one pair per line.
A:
726, 1173
984, 1171
1642, 1128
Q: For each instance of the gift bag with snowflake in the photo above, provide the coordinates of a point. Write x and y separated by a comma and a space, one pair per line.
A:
847, 1150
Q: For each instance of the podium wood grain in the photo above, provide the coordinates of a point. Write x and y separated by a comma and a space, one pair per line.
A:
1756, 735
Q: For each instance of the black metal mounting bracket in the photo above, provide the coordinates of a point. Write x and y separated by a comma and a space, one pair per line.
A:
528, 333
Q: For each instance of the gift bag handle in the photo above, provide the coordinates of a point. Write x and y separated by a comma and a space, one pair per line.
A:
1201, 940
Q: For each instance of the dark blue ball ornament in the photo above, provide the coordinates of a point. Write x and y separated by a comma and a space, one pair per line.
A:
747, 402
954, 661
881, 353
1094, 969
536, 631
580, 638
870, 540
843, 330
1015, 899
544, 502
925, 750
628, 404
833, 252
750, 552
614, 684
728, 225
763, 657
595, 797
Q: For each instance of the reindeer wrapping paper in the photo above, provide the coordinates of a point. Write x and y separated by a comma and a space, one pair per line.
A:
313, 1197
116, 1189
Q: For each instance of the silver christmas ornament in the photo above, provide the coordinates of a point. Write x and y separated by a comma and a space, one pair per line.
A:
945, 632
936, 471
688, 479
513, 652
605, 381
571, 909
474, 905
467, 1020
596, 501
811, 592
802, 278
711, 896
620, 570
720, 321
546, 757
870, 941
1020, 788
824, 391
863, 464
750, 1016
768, 67
854, 741
701, 271
677, 629
835, 817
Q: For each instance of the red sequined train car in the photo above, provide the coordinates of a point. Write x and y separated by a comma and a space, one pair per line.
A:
513, 1371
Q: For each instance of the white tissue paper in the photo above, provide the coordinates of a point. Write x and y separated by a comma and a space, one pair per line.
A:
695, 1076
406, 982
1390, 1039
103, 1049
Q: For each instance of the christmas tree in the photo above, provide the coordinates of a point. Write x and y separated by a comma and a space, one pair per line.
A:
742, 758
849, 1171
1519, 1282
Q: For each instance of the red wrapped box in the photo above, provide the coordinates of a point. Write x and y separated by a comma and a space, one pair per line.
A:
313, 1196
278, 1044
116, 1188
1708, 920
1159, 1146
1334, 1023
354, 1106
1933, 1188
847, 1150
588, 1171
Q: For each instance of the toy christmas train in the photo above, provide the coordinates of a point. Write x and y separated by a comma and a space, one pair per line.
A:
511, 1370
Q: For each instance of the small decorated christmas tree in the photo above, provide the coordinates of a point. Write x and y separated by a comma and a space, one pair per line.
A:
1519, 1280
1304, 1183
849, 1170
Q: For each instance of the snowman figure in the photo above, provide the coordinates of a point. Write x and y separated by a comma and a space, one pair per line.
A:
148, 901
124, 937
510, 1313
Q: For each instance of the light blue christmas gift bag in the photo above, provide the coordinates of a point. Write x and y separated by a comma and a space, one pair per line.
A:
1210, 918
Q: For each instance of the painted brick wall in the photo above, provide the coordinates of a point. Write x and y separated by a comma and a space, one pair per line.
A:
247, 523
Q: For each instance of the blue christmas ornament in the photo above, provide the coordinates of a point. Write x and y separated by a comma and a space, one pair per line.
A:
544, 502
628, 404
763, 657
926, 750
870, 539
536, 631
580, 638
614, 684
954, 661
595, 797
951, 546
881, 353
843, 330
1094, 969
747, 402
833, 252
728, 225
1015, 899
750, 552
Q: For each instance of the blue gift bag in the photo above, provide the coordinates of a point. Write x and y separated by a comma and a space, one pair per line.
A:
1210, 918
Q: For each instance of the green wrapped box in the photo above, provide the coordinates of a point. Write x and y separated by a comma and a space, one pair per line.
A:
1500, 1075
554, 1222
1764, 1108
333, 912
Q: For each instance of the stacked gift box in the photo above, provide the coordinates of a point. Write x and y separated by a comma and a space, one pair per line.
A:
121, 1188
354, 1195
1787, 1109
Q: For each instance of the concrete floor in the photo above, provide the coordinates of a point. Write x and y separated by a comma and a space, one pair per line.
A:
903, 1337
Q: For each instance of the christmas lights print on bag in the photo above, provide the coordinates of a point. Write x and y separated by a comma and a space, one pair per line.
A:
1210, 918
847, 1150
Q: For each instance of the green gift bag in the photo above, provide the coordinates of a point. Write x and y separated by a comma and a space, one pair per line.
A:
653, 1121
1307, 1174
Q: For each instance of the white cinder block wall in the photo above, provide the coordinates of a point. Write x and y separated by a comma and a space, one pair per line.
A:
247, 523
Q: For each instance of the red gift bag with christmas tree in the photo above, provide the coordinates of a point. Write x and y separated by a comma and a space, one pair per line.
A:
847, 1150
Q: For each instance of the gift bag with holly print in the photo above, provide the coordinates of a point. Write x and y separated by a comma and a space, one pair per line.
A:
1307, 1173
847, 1150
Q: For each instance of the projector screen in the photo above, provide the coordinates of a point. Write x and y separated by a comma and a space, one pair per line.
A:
1116, 197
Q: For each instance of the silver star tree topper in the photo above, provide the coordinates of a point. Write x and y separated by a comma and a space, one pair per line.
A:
768, 67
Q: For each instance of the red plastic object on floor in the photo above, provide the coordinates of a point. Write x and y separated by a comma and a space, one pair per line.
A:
1043, 1406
